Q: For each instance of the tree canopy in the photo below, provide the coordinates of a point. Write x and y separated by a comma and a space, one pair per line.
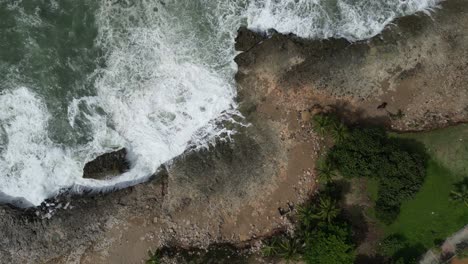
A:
398, 164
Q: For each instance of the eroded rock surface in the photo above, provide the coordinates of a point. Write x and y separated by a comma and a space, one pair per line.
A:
232, 192
418, 66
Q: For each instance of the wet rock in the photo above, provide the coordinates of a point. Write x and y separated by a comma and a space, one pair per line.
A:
107, 165
247, 39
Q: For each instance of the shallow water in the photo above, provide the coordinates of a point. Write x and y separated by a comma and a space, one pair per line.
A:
81, 78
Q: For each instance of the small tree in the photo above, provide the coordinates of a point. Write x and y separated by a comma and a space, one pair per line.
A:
339, 132
271, 248
326, 210
322, 123
326, 172
306, 217
290, 249
287, 248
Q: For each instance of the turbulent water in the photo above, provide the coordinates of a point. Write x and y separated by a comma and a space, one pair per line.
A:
82, 78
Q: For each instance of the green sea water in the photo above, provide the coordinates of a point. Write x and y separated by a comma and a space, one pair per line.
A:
79, 78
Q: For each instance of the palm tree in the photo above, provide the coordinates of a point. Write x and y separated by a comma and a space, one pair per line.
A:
270, 249
290, 249
321, 124
326, 172
460, 193
339, 132
326, 210
305, 214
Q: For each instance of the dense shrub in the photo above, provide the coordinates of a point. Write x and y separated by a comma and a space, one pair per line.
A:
392, 244
330, 244
397, 163
397, 249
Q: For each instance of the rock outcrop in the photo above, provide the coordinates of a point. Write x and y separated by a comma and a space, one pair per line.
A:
107, 165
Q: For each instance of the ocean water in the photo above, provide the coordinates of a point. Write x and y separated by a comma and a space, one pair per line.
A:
82, 78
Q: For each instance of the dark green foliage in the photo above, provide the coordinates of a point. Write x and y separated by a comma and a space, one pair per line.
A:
290, 249
397, 249
305, 216
321, 124
360, 154
339, 132
326, 172
321, 235
154, 258
398, 164
330, 244
326, 210
284, 247
324, 124
322, 243
392, 244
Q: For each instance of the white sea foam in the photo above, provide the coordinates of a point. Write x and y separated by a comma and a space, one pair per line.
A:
169, 73
30, 163
353, 20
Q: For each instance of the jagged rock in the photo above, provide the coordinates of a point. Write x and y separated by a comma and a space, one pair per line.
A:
107, 165
246, 39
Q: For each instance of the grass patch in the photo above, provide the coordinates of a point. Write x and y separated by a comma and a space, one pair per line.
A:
448, 147
431, 216
373, 188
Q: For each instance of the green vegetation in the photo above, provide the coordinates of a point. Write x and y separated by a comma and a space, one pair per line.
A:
418, 182
325, 172
323, 123
397, 164
418, 200
460, 192
322, 236
433, 215
398, 250
330, 244
154, 258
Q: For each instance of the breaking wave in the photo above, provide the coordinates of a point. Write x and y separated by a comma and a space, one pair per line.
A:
148, 76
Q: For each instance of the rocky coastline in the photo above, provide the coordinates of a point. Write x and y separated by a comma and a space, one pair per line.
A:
412, 77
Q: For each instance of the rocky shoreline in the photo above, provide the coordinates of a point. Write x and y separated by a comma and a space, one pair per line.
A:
235, 192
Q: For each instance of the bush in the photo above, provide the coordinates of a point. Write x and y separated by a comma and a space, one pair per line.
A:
397, 249
330, 244
392, 244
397, 163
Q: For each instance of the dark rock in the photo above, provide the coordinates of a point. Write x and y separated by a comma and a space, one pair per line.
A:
382, 106
107, 165
247, 39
